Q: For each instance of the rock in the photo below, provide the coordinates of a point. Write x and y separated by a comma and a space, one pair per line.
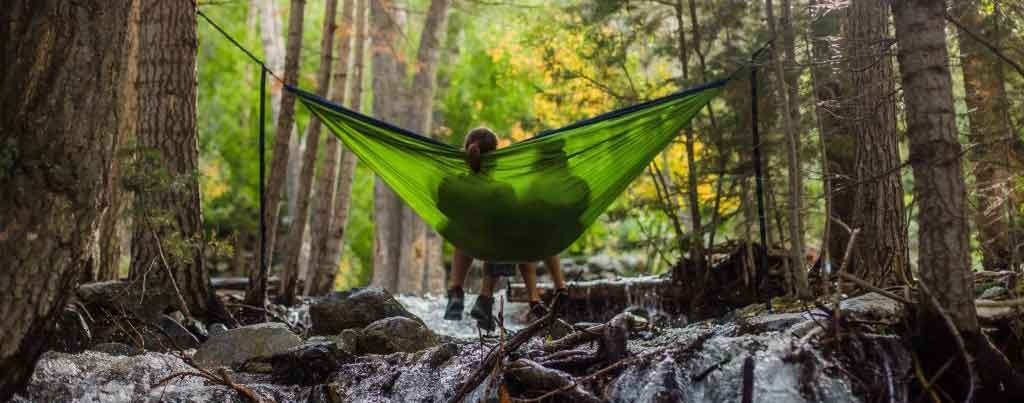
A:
603, 263
216, 328
872, 306
439, 355
173, 336
119, 294
236, 346
98, 377
348, 341
115, 348
354, 309
309, 363
993, 293
197, 329
71, 333
397, 334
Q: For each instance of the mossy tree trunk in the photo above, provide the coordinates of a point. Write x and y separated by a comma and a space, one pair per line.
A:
66, 94
167, 239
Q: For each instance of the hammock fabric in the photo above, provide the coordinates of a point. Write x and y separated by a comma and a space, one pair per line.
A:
531, 199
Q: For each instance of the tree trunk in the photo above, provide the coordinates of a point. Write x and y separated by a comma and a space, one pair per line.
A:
67, 90
293, 247
323, 212
274, 57
255, 295
696, 237
837, 143
343, 192
990, 134
882, 256
944, 257
415, 264
387, 208
167, 241
790, 118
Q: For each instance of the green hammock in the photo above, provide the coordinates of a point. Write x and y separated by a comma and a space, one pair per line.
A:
531, 199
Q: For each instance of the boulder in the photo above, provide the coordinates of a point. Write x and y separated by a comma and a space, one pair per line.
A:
396, 334
236, 346
309, 363
603, 263
355, 309
216, 328
126, 295
173, 336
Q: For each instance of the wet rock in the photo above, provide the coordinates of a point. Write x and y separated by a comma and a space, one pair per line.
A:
993, 292
236, 346
197, 329
124, 295
216, 328
397, 334
354, 309
348, 341
441, 354
119, 349
603, 263
71, 333
777, 322
309, 363
872, 306
173, 336
99, 377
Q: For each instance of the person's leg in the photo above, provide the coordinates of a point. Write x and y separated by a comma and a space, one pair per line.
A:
529, 273
460, 267
487, 285
554, 265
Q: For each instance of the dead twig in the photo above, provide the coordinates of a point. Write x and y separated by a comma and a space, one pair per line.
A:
868, 286
220, 378
968, 360
170, 275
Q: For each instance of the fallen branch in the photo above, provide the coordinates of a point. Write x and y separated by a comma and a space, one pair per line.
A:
538, 376
500, 351
968, 360
221, 378
621, 363
869, 286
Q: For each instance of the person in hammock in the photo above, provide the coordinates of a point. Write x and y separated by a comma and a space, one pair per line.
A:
477, 142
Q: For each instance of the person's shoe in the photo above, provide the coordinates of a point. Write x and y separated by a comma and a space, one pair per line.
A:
537, 311
561, 298
455, 304
482, 312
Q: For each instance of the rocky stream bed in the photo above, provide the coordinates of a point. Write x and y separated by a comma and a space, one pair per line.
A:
367, 346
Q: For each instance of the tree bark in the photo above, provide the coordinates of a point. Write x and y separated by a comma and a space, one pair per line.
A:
696, 237
167, 240
790, 118
415, 264
837, 142
293, 247
387, 208
882, 256
274, 56
343, 192
67, 93
255, 295
990, 134
323, 212
944, 257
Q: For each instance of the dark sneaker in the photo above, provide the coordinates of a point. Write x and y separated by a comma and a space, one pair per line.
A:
455, 304
561, 299
537, 311
482, 312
